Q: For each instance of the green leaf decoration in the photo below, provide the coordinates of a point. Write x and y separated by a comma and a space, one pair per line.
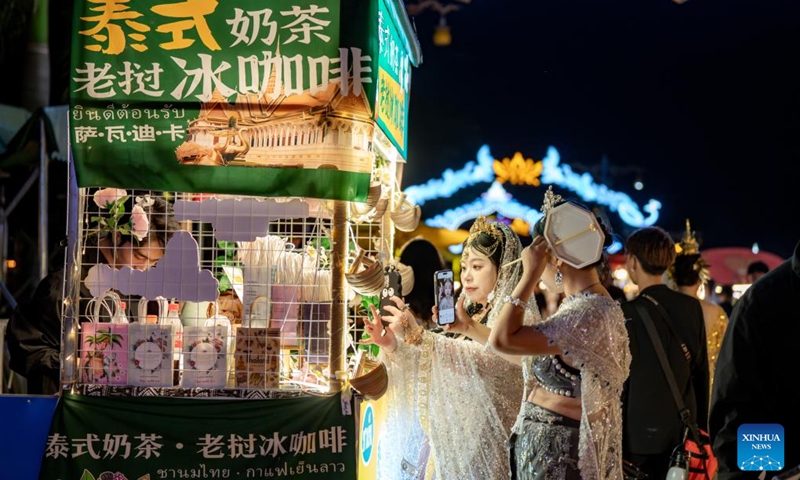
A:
87, 475
224, 284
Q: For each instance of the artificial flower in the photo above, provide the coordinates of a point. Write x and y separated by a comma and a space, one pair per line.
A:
107, 197
140, 224
145, 201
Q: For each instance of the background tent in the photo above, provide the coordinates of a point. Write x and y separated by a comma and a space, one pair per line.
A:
729, 264
30, 182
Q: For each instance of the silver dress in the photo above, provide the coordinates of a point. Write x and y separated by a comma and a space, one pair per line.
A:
590, 330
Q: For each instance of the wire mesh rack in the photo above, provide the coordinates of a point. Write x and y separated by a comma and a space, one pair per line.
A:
223, 292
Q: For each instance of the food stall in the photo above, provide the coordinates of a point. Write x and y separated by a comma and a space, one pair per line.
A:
277, 133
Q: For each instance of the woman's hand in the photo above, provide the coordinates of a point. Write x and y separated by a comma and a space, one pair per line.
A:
463, 323
401, 319
384, 338
534, 258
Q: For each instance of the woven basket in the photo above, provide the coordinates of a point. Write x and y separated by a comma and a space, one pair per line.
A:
372, 380
374, 194
369, 281
405, 215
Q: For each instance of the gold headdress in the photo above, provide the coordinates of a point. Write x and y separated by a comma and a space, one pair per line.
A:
550, 200
479, 226
690, 246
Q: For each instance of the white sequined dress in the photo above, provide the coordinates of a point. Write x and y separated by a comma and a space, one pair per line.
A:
456, 394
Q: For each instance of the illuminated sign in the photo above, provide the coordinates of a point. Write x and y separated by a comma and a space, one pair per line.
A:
549, 171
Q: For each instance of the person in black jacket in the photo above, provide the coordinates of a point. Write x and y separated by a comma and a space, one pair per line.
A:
652, 426
120, 238
756, 374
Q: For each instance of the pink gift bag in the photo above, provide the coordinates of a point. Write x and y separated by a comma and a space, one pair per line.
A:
104, 353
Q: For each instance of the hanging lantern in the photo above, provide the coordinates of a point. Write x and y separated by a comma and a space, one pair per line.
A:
441, 36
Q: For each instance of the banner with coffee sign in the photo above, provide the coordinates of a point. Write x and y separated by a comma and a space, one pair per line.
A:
269, 99
137, 438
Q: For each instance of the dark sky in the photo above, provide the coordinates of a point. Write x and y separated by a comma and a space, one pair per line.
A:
702, 97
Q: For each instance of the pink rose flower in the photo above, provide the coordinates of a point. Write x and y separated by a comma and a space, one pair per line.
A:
140, 224
103, 198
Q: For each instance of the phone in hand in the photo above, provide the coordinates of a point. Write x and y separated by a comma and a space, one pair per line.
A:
444, 288
394, 288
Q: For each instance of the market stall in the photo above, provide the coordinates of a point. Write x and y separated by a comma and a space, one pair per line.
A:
277, 135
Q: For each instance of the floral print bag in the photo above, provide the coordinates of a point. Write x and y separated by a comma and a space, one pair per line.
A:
104, 343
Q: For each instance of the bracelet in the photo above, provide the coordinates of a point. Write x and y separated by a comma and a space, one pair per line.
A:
413, 337
517, 302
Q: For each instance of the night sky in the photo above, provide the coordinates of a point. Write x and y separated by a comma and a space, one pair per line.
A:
700, 98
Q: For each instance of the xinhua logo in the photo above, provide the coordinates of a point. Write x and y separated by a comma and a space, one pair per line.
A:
760, 446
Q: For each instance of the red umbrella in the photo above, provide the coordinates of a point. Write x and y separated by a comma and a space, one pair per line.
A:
729, 264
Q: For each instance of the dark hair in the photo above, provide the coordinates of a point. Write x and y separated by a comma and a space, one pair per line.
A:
162, 219
757, 267
160, 215
424, 259
653, 247
726, 290
686, 269
487, 244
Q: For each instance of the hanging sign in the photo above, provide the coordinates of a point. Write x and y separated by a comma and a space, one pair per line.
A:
134, 438
245, 97
394, 80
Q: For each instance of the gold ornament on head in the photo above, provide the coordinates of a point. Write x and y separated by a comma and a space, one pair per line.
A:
550, 200
688, 244
479, 226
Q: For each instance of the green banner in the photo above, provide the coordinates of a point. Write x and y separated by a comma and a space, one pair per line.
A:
248, 97
141, 438
394, 79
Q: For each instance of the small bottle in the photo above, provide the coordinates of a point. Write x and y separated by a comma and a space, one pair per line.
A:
174, 319
119, 316
678, 466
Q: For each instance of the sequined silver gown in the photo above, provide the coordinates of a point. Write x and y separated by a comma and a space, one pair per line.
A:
590, 330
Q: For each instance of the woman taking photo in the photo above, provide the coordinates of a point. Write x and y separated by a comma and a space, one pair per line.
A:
464, 396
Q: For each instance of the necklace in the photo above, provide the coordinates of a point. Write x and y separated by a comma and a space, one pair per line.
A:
584, 289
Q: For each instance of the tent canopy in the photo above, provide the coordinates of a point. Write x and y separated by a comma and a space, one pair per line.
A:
729, 264
20, 132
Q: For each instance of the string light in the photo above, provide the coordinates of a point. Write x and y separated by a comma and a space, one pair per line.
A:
496, 199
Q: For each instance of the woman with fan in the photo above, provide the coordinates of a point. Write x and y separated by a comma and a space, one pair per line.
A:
574, 363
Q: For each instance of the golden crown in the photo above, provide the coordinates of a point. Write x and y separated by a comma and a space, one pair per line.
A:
550, 200
479, 226
688, 244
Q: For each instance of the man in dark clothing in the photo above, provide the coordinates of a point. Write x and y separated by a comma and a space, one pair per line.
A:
35, 330
652, 426
756, 270
725, 297
756, 379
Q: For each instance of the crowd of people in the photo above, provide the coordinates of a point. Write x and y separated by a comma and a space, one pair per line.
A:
549, 371
593, 397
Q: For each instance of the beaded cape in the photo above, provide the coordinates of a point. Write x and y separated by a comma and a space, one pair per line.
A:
590, 330
460, 394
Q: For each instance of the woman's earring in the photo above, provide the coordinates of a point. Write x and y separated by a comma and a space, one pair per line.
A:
490, 297
559, 277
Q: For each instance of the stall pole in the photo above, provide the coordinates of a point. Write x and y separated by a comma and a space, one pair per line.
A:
44, 181
339, 234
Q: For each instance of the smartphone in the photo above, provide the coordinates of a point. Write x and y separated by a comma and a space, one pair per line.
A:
444, 288
394, 288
